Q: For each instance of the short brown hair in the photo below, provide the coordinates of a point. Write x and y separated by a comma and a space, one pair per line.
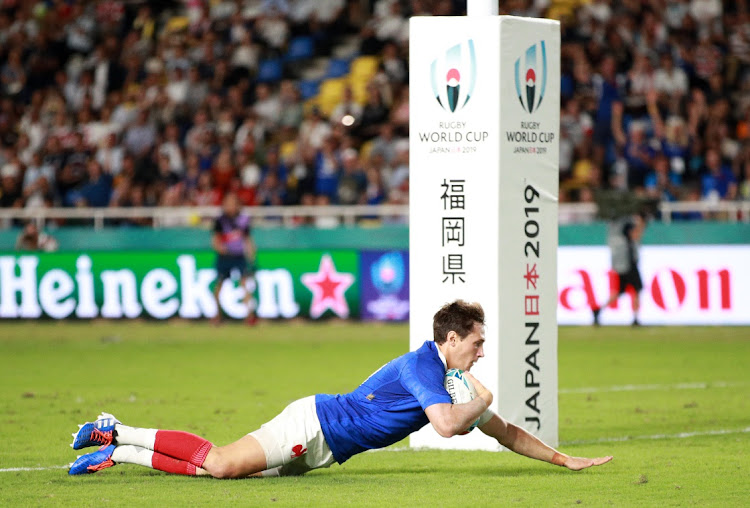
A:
458, 316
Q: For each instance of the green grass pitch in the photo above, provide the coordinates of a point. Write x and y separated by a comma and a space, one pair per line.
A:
671, 404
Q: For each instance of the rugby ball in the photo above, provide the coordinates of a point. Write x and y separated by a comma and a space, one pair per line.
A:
461, 391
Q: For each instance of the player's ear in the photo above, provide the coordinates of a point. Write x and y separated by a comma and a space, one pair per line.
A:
452, 338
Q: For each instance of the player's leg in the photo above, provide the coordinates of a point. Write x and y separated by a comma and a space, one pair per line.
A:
166, 450
290, 444
109, 456
598, 308
637, 284
131, 454
613, 296
220, 278
247, 277
173, 443
240, 459
636, 308
293, 442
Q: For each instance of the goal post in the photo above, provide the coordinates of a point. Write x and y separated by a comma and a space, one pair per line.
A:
484, 129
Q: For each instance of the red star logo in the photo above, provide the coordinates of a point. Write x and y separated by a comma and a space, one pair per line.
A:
328, 287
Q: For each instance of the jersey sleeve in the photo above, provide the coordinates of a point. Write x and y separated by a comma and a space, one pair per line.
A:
425, 382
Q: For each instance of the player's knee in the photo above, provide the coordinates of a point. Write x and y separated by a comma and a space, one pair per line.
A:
222, 467
225, 470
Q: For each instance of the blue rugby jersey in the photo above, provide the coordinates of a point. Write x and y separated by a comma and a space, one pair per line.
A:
387, 407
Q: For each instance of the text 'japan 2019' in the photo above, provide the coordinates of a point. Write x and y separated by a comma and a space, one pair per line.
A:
531, 306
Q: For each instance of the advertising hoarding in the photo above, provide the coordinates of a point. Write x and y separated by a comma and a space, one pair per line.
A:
163, 284
682, 285
384, 279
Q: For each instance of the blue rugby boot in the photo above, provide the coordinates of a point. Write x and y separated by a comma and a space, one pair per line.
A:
93, 462
98, 433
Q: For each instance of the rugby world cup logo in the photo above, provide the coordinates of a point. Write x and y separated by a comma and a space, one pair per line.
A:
453, 76
531, 76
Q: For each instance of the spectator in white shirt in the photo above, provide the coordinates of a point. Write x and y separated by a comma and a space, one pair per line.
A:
669, 79
267, 105
110, 155
170, 147
246, 53
314, 130
177, 88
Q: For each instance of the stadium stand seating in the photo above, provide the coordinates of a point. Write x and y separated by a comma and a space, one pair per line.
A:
126, 104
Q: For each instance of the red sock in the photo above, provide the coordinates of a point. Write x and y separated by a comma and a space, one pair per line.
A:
169, 465
183, 446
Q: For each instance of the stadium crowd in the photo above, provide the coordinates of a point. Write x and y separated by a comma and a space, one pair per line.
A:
118, 103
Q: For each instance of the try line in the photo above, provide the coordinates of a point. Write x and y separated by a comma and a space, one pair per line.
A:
681, 435
638, 388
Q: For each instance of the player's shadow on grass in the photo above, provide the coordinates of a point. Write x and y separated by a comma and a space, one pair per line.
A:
477, 470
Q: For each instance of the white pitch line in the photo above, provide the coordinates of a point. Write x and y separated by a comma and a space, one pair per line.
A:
16, 469
656, 437
639, 388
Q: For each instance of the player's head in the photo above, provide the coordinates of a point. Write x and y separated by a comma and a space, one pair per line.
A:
231, 204
458, 329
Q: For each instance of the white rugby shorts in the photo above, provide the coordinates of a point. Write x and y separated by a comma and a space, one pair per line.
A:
293, 441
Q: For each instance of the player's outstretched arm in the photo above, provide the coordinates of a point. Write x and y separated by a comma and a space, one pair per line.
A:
522, 442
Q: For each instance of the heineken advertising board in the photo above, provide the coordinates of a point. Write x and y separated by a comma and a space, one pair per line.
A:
161, 285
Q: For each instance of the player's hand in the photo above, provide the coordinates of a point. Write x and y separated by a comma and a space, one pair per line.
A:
482, 392
578, 463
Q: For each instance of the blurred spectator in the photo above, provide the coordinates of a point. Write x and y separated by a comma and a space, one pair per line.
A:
352, 182
348, 107
718, 181
393, 65
97, 189
390, 22
178, 89
374, 189
292, 110
327, 170
38, 183
223, 171
744, 186
73, 173
140, 137
10, 188
267, 106
374, 113
314, 129
110, 155
171, 148
31, 239
670, 80
205, 194
399, 177
662, 183
271, 190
